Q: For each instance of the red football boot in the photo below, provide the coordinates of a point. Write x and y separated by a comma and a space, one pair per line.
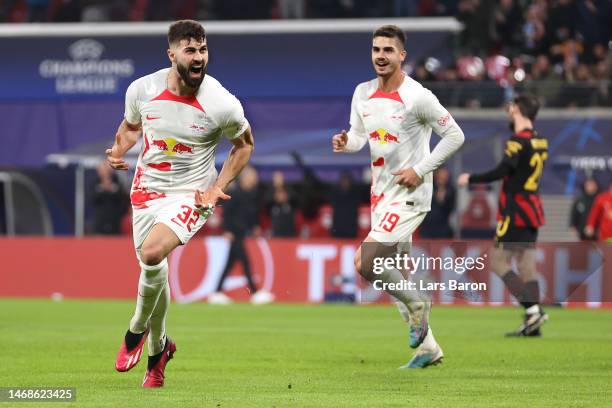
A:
126, 359
155, 377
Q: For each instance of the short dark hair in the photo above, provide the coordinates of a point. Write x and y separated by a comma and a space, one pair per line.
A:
528, 105
391, 31
184, 30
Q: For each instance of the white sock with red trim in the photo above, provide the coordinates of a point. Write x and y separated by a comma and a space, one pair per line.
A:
157, 325
152, 280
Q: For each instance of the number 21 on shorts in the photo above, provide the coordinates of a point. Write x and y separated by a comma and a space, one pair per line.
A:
389, 221
188, 217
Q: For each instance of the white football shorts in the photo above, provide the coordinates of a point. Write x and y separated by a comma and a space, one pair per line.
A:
177, 212
395, 224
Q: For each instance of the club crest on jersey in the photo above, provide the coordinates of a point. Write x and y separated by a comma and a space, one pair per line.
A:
170, 146
443, 120
383, 137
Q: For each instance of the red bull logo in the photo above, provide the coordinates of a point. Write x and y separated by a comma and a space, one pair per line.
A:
383, 137
171, 146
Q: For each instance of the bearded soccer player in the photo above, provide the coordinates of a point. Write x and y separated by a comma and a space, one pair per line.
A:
396, 115
520, 211
181, 114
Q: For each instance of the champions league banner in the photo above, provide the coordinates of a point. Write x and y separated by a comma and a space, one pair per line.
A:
306, 271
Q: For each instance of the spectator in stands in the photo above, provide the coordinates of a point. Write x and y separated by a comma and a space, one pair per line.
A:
110, 202
67, 11
37, 11
508, 21
582, 206
310, 194
437, 222
600, 216
533, 30
477, 19
292, 8
282, 214
240, 219
345, 199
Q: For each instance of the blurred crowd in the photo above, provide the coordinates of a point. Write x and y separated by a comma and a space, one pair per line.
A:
536, 39
166, 10
559, 50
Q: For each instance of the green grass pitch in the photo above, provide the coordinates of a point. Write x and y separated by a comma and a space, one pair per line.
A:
309, 356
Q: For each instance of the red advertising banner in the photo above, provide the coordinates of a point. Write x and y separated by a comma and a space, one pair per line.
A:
293, 270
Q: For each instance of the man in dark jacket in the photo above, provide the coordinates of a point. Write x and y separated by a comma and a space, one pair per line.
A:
582, 206
436, 224
240, 219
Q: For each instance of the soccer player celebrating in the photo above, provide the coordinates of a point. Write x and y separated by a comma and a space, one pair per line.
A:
181, 114
396, 115
520, 211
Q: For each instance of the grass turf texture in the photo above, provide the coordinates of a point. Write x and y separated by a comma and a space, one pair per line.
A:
309, 355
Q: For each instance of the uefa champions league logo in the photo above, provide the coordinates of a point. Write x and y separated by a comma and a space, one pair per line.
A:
86, 49
86, 72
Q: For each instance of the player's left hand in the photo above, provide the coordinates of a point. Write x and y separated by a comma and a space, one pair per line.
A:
207, 200
463, 180
407, 177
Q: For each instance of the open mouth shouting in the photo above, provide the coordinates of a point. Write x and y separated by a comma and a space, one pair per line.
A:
196, 71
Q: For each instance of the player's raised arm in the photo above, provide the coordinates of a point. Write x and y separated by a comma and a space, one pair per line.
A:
236, 160
126, 137
435, 115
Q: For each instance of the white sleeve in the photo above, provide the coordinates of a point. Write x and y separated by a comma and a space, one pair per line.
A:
132, 110
235, 123
433, 114
357, 137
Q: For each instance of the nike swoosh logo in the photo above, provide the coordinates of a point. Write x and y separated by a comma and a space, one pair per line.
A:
149, 117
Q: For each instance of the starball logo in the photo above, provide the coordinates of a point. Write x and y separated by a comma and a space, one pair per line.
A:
86, 72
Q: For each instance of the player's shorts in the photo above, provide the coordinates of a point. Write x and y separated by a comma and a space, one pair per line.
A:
177, 212
395, 224
510, 236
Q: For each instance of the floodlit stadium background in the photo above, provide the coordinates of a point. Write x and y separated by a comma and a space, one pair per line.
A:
67, 291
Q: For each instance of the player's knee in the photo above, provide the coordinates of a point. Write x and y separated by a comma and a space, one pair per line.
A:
151, 254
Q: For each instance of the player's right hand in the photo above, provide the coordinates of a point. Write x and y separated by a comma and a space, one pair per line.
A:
589, 231
339, 142
114, 158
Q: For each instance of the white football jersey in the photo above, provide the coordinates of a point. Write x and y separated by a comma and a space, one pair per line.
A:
398, 127
180, 135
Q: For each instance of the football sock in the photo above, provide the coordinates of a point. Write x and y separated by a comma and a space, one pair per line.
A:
153, 360
514, 284
132, 339
152, 281
531, 294
406, 296
157, 323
